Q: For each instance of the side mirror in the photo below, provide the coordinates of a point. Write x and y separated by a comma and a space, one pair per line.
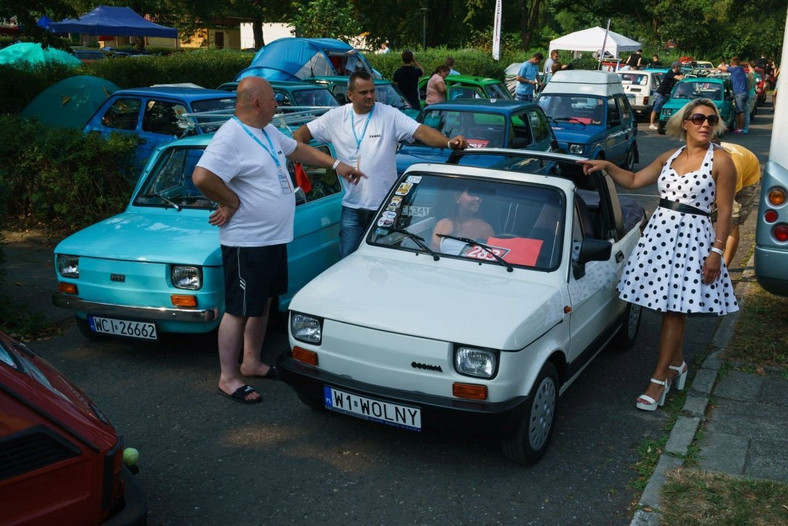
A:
591, 250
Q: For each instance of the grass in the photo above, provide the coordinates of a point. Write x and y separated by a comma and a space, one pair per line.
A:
695, 498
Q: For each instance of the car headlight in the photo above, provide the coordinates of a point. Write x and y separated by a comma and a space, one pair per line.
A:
68, 266
667, 112
186, 277
472, 361
305, 328
576, 149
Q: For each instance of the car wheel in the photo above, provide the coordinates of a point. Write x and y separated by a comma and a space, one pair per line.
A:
530, 441
661, 128
84, 330
625, 337
629, 164
313, 403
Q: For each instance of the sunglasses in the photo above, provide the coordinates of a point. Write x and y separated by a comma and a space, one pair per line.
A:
698, 118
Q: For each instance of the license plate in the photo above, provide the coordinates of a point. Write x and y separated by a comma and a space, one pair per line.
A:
130, 329
397, 415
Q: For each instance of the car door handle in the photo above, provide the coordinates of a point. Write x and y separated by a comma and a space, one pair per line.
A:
619, 256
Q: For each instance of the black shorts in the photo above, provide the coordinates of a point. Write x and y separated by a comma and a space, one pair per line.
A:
251, 276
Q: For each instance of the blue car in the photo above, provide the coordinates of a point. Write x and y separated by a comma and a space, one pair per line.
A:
157, 267
591, 116
153, 114
485, 124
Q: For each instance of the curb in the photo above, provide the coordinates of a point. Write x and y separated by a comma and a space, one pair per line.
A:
693, 412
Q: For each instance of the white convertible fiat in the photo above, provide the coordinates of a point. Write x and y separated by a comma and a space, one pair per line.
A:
482, 289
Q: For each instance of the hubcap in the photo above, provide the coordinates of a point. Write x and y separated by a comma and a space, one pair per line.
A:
542, 411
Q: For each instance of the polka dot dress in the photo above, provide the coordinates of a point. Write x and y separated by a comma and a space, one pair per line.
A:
665, 272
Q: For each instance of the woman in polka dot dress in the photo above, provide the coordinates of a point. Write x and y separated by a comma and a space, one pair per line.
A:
677, 267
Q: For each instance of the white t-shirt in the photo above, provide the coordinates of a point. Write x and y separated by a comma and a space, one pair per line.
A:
379, 132
267, 210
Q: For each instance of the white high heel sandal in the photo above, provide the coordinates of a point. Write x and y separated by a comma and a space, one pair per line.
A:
681, 378
650, 404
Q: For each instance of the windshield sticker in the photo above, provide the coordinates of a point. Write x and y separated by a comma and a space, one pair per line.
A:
404, 188
477, 143
417, 211
415, 179
395, 203
385, 222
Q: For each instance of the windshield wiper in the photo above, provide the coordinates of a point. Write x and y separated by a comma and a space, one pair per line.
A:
568, 119
489, 250
418, 240
170, 202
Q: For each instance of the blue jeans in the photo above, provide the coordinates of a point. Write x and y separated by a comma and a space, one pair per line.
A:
525, 98
353, 224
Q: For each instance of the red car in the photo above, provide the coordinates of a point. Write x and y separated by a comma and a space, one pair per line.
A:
61, 461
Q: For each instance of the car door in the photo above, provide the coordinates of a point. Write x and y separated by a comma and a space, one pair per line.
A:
315, 244
159, 125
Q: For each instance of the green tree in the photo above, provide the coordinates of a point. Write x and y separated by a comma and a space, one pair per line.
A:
327, 19
28, 12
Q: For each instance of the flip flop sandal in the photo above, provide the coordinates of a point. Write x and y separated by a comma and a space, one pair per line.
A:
240, 395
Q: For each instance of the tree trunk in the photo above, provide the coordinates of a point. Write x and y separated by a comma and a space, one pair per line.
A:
529, 15
257, 31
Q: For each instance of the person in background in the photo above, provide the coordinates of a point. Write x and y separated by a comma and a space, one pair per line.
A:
548, 64
655, 62
635, 60
740, 91
555, 67
748, 174
243, 170
528, 78
450, 62
462, 222
384, 49
663, 92
407, 76
436, 86
677, 267
365, 134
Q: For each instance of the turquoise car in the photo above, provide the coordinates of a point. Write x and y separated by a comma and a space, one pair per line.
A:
718, 89
386, 92
157, 266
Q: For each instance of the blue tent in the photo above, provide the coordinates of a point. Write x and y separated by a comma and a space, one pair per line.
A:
27, 54
70, 102
115, 21
299, 58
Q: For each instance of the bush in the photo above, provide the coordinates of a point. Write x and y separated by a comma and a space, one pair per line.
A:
62, 178
21, 85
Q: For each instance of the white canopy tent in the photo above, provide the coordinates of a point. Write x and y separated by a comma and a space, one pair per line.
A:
592, 40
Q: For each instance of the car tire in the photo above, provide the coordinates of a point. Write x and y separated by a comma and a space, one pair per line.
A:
661, 128
629, 163
532, 437
84, 330
626, 335
312, 403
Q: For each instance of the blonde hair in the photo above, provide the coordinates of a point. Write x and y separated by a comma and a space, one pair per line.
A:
675, 126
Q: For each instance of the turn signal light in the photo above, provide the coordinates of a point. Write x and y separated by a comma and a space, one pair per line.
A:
183, 300
469, 391
776, 196
302, 355
68, 288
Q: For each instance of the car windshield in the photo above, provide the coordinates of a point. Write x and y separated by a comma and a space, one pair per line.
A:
695, 90
169, 184
481, 130
314, 97
635, 79
495, 222
388, 94
497, 91
581, 110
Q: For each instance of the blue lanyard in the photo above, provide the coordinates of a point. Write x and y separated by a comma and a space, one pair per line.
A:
270, 150
353, 127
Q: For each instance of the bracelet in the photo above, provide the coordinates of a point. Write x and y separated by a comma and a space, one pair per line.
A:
716, 250
448, 145
336, 163
720, 241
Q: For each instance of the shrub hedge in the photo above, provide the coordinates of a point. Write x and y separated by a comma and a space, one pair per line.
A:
62, 178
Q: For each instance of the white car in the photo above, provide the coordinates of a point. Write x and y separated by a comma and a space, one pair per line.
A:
479, 334
640, 87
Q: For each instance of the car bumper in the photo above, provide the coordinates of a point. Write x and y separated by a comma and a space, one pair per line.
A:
770, 265
467, 416
135, 510
133, 312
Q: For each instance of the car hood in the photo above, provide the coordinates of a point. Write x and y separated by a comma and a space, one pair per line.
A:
167, 236
408, 155
488, 307
575, 133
